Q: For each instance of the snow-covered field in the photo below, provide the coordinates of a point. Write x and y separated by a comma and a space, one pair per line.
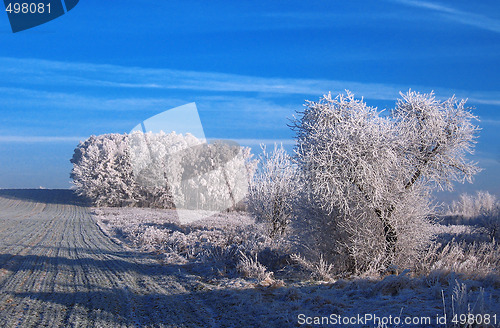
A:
64, 265
58, 269
216, 253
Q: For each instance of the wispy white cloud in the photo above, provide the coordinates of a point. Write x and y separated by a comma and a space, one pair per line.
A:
463, 17
489, 122
67, 100
76, 139
73, 139
39, 74
492, 98
43, 72
40, 139
257, 142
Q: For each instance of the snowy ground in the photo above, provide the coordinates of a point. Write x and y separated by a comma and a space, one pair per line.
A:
64, 265
58, 269
284, 300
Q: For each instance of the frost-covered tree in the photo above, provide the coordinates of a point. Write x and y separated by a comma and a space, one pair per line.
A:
274, 190
102, 171
161, 170
373, 169
157, 161
216, 175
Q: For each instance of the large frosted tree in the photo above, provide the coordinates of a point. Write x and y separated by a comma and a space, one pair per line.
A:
161, 170
376, 171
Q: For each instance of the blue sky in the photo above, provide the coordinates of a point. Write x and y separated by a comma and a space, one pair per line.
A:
249, 65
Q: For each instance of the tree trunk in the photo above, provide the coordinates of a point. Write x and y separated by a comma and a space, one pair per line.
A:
390, 233
228, 185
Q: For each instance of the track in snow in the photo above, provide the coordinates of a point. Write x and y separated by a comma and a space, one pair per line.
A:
58, 269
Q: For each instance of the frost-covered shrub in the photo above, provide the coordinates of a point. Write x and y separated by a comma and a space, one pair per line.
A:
321, 270
250, 267
469, 260
274, 190
227, 243
372, 174
161, 170
482, 210
472, 206
491, 222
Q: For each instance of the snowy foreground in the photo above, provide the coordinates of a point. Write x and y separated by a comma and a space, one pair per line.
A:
239, 298
64, 265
